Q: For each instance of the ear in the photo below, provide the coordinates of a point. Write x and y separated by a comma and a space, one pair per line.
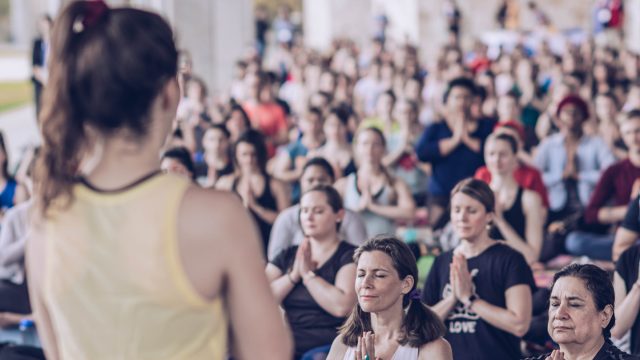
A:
489, 218
605, 316
407, 284
170, 95
340, 216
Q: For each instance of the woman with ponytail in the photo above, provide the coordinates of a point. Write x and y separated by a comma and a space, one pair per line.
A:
126, 262
389, 321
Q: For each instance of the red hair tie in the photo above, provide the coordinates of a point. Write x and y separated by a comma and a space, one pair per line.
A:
94, 10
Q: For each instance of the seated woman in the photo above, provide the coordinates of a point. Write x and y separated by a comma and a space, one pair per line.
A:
10, 192
401, 155
380, 198
527, 176
264, 196
627, 290
288, 164
482, 288
237, 122
389, 321
286, 229
14, 297
178, 161
581, 315
336, 148
314, 281
518, 216
217, 154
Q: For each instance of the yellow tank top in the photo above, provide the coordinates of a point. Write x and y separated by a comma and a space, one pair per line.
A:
114, 284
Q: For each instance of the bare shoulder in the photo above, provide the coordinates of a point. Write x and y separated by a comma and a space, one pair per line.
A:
214, 231
277, 184
225, 182
438, 349
531, 200
197, 200
340, 185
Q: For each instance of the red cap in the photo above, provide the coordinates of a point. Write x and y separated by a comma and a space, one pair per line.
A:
574, 100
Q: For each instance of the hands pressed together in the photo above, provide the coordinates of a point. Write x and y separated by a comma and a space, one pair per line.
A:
460, 279
303, 265
365, 350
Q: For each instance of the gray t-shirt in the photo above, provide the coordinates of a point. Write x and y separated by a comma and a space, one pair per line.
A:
286, 231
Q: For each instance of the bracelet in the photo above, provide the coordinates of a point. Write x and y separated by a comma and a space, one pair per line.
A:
291, 279
472, 298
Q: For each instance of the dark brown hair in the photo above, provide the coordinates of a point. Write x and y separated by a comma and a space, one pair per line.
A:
420, 325
599, 284
104, 74
4, 167
508, 138
256, 139
478, 190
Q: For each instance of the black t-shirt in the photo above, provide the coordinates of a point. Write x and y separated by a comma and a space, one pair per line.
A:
607, 352
311, 325
494, 271
627, 267
632, 218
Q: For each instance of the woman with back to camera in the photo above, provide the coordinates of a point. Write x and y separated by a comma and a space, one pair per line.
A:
482, 288
103, 205
581, 315
314, 281
389, 321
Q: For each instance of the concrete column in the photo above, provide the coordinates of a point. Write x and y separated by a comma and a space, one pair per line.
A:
632, 22
18, 18
216, 33
403, 17
325, 20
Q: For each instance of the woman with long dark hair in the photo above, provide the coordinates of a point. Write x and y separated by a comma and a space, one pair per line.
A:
389, 321
263, 195
124, 261
314, 281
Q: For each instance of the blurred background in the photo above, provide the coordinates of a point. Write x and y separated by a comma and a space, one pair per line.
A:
216, 33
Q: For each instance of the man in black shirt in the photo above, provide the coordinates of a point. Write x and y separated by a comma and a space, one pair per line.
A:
629, 230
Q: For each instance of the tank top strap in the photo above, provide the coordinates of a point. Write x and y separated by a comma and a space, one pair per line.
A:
351, 194
406, 353
402, 353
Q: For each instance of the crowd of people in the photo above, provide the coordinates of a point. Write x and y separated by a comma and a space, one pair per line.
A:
289, 189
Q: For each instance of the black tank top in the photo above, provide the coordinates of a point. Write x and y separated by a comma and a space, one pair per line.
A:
268, 201
514, 216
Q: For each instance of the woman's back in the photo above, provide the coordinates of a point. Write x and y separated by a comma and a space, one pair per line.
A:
115, 286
